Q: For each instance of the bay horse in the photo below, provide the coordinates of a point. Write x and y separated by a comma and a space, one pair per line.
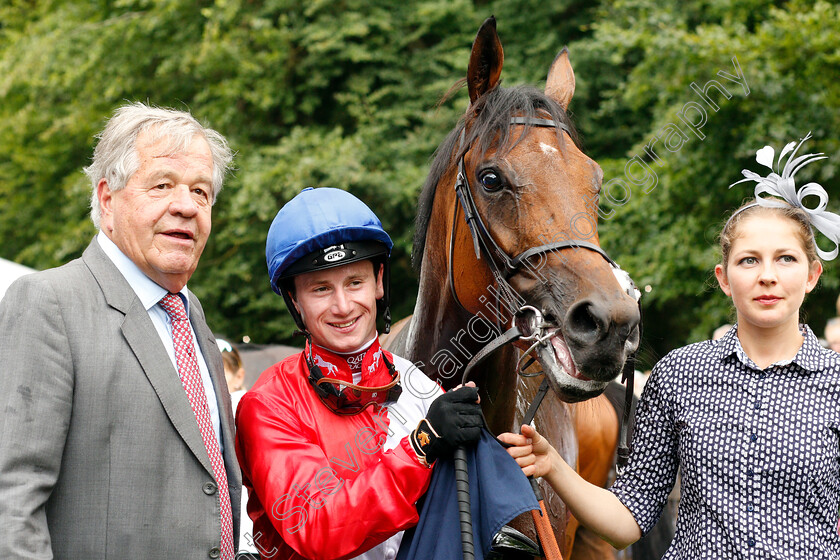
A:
530, 238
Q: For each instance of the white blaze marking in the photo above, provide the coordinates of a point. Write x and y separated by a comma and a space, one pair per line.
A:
548, 149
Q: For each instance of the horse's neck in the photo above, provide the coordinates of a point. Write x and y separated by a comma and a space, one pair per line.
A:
433, 310
439, 335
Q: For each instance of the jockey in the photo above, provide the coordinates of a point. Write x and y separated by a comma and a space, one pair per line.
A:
337, 442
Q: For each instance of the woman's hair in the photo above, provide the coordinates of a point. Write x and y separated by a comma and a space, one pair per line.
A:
732, 228
232, 359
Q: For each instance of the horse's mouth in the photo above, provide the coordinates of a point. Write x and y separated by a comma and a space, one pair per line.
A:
564, 357
563, 375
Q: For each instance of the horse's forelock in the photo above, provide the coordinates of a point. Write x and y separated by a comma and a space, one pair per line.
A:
489, 125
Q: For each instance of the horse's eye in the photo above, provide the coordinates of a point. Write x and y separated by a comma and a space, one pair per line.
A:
490, 180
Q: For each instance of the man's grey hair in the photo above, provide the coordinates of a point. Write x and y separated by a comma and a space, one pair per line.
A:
115, 158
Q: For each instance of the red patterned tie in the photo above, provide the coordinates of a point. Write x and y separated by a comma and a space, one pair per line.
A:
191, 379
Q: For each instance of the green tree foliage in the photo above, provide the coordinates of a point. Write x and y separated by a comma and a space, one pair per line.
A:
345, 93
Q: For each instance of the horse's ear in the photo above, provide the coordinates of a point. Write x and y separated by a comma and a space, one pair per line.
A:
486, 60
560, 85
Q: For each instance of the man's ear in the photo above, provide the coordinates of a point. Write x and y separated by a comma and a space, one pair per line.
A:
723, 282
106, 199
294, 301
290, 287
380, 287
299, 310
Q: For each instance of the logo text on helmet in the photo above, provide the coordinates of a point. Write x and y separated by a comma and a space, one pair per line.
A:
335, 255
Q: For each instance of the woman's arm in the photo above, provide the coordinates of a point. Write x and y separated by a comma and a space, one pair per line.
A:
596, 508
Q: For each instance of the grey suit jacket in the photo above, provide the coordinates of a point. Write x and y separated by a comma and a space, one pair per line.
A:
100, 453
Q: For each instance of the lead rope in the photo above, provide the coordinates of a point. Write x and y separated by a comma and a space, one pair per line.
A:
528, 325
629, 378
545, 532
462, 476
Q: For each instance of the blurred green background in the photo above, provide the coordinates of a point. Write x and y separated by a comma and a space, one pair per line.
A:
345, 94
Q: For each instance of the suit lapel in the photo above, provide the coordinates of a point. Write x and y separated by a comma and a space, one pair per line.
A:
144, 341
213, 358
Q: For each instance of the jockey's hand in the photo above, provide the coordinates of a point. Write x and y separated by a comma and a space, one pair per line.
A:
532, 452
454, 419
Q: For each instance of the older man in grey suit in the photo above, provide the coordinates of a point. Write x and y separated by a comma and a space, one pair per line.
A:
116, 435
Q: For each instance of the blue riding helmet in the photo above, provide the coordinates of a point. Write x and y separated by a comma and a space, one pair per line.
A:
320, 229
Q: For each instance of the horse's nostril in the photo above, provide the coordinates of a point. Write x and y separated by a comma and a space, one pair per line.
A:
624, 332
584, 323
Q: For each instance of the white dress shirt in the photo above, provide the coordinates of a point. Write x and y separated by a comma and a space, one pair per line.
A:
150, 295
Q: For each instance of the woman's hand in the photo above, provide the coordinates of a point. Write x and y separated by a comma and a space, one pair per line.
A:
532, 452
592, 505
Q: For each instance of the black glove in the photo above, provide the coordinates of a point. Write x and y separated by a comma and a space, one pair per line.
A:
454, 419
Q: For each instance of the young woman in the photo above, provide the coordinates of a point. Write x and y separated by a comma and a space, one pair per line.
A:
752, 419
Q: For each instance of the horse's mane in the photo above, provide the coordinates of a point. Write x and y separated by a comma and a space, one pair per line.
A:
489, 121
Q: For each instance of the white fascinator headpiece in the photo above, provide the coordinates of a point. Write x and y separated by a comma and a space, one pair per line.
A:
780, 185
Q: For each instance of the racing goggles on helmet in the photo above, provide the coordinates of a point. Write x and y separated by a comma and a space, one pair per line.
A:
348, 399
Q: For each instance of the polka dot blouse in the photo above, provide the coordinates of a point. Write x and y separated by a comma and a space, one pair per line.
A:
758, 450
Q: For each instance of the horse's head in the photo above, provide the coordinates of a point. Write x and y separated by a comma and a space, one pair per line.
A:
532, 187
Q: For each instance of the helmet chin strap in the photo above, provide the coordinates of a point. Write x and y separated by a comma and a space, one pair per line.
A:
386, 316
293, 311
